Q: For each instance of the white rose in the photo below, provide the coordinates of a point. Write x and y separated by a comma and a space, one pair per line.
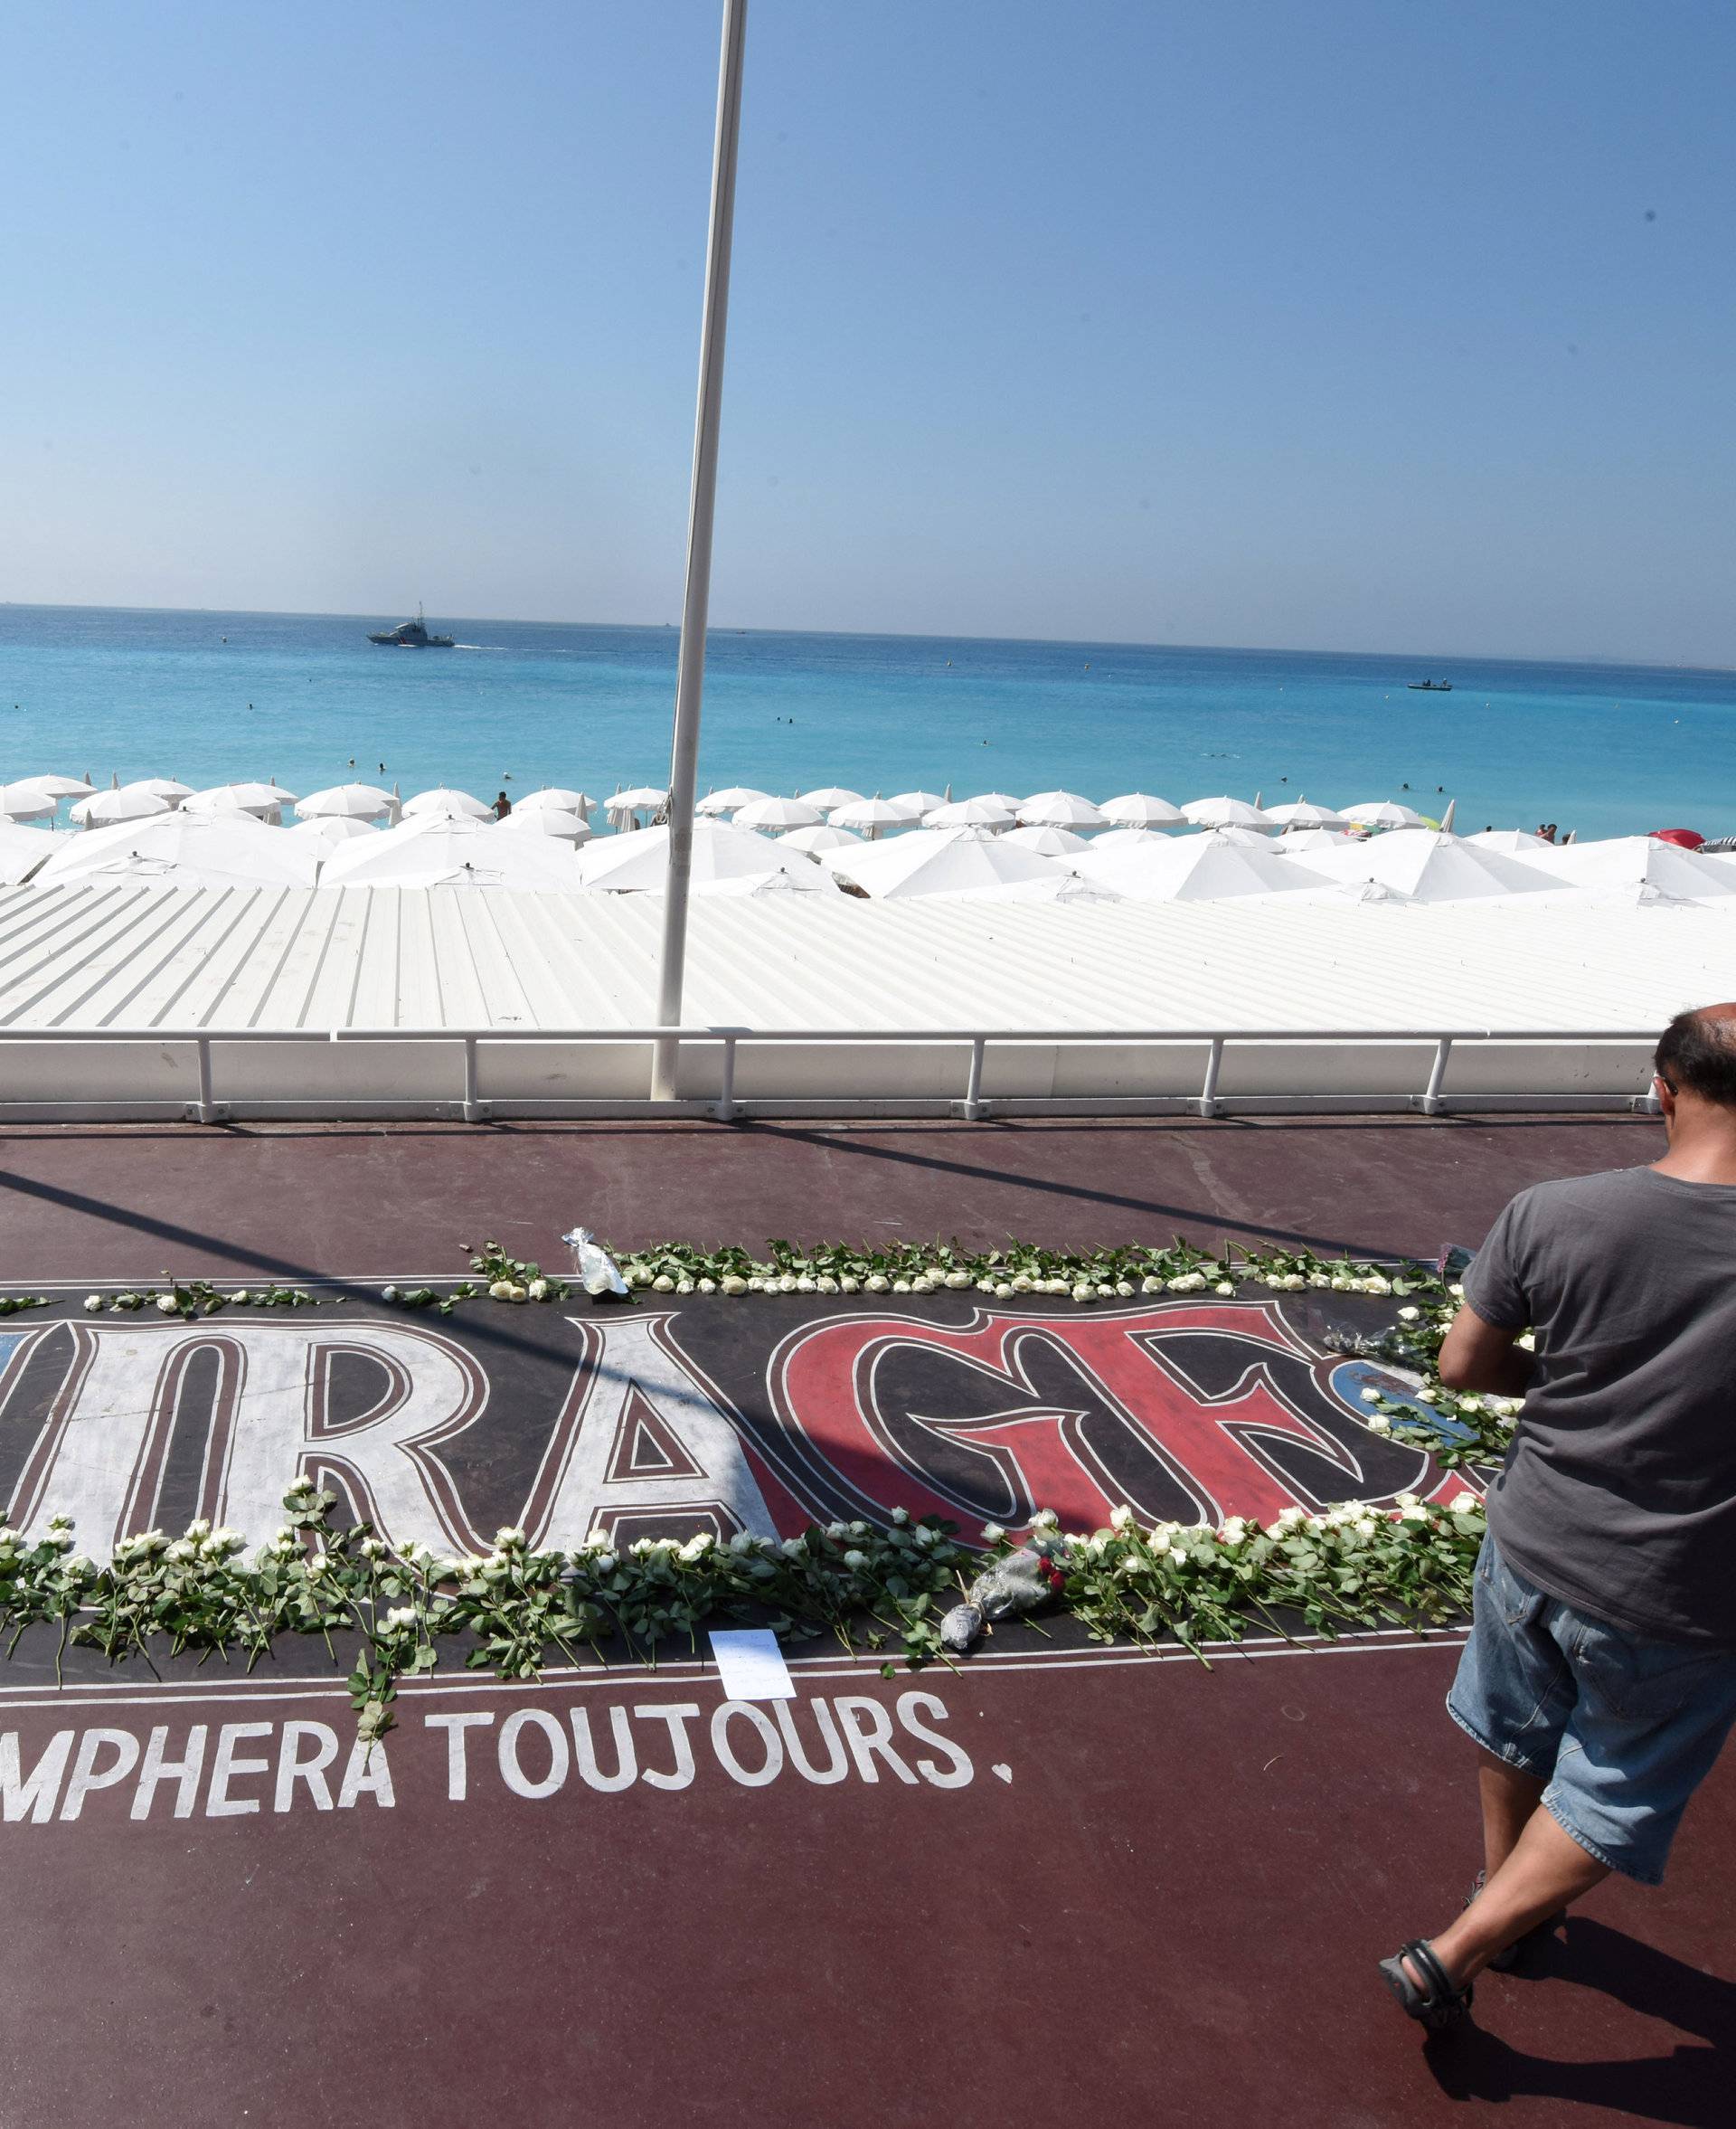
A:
538, 1290
901, 1286
993, 1533
500, 1289
856, 1561
1379, 1424
826, 1284
93, 1301
1150, 1285
1004, 1292
1121, 1517
1425, 1394
1045, 1518
1082, 1292
787, 1282
400, 1616
734, 1283
1465, 1504
1124, 1287
849, 1285
1409, 1315
167, 1304
663, 1283
958, 1279
793, 1548
755, 1286
878, 1283
921, 1284
1224, 1286
1021, 1283
1371, 1396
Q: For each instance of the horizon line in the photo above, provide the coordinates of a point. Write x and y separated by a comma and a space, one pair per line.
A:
874, 635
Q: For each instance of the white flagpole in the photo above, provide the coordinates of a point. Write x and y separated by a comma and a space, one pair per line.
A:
690, 677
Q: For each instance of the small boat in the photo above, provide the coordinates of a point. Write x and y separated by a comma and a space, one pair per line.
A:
1415, 687
413, 636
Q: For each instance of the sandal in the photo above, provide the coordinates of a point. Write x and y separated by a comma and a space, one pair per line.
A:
1534, 1938
1436, 2004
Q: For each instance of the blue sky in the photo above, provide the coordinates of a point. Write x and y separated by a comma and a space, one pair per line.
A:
1324, 324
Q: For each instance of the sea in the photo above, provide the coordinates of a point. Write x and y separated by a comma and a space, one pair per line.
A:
305, 699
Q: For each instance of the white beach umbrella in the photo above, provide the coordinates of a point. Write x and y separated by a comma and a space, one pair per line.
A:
326, 831
638, 861
555, 799
442, 804
1065, 887
1140, 809
1223, 812
435, 850
1298, 842
918, 805
1196, 868
779, 813
1429, 866
25, 801
1381, 813
346, 801
546, 820
1059, 810
162, 787
60, 786
183, 849
22, 850
937, 861
253, 797
104, 807
1633, 862
831, 796
1513, 842
1297, 813
810, 840
1048, 842
222, 802
1118, 838
990, 811
643, 798
716, 803
804, 879
871, 815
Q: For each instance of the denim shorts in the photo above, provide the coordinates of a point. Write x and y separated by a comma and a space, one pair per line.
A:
1622, 1729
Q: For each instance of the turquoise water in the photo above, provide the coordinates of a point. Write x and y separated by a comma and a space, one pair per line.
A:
212, 697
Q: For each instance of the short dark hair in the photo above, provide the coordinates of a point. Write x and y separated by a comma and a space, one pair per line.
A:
1697, 1051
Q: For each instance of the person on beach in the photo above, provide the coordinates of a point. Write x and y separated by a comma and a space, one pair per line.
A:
1599, 1679
502, 806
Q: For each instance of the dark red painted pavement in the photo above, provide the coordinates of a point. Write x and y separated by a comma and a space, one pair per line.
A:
125, 1200
1158, 1897
1169, 1913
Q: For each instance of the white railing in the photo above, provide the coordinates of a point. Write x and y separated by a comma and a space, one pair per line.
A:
208, 1106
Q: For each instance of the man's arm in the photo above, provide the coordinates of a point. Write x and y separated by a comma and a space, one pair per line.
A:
1478, 1355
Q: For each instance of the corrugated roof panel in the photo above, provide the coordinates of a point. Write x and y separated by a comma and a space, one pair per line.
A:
128, 956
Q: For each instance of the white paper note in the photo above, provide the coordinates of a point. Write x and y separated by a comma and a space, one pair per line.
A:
751, 1665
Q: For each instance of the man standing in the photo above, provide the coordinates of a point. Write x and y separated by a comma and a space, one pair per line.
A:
1599, 1679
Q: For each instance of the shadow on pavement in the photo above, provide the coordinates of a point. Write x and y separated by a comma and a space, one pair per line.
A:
1691, 2086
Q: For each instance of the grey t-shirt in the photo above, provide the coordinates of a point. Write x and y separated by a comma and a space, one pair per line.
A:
1618, 1494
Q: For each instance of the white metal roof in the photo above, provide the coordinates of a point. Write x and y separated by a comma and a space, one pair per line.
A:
129, 956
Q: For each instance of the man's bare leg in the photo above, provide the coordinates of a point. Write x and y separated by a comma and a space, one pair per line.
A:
1508, 1796
1546, 1869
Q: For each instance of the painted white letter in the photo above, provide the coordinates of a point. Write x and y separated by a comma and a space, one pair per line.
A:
626, 1760
219, 1802
677, 1714
184, 1771
293, 1768
911, 1706
869, 1728
457, 1770
511, 1773
749, 1777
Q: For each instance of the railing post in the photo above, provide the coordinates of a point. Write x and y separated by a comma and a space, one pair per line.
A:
1207, 1103
473, 1109
973, 1111
1432, 1105
207, 1106
725, 1109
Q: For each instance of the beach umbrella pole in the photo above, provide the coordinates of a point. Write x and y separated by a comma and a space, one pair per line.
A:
690, 675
